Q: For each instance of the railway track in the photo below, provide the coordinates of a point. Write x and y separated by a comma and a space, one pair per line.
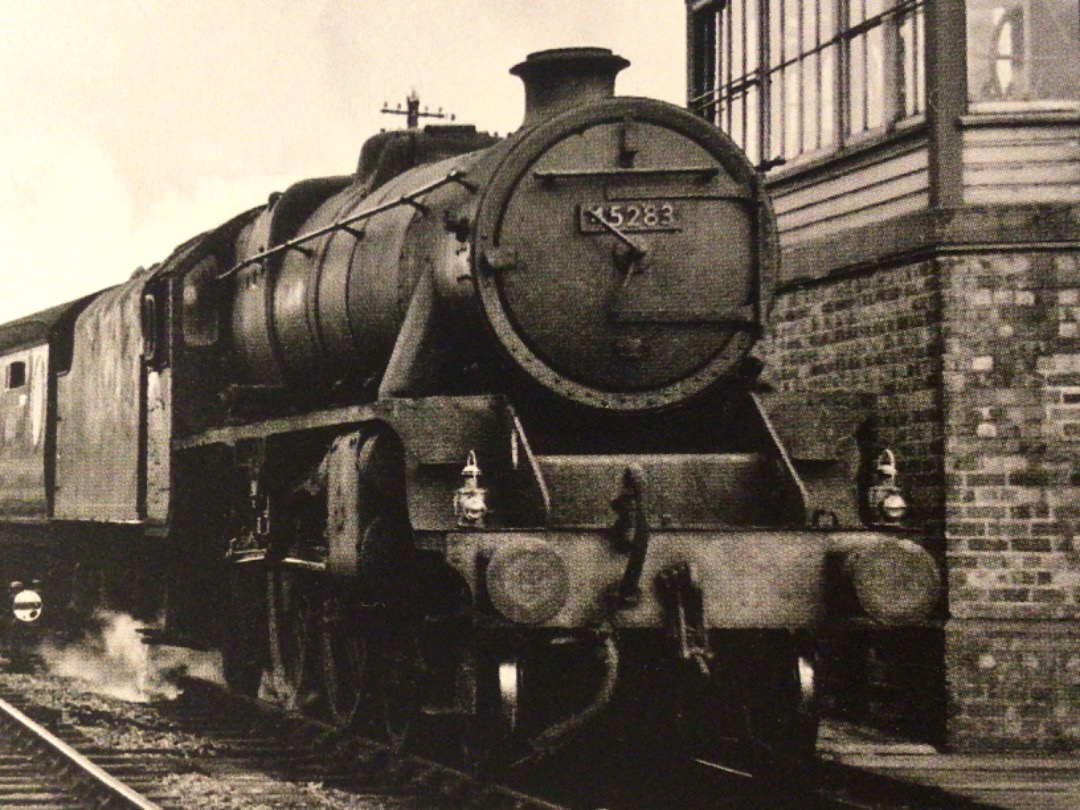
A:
299, 749
234, 753
229, 751
40, 770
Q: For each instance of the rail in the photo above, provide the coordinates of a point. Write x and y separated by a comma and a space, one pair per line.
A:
76, 768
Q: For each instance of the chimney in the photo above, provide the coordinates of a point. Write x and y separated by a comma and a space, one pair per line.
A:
562, 78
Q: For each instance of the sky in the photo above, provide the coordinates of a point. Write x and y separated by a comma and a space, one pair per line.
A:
127, 126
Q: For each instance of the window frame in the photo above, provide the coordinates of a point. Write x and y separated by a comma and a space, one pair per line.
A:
1026, 94
713, 93
16, 375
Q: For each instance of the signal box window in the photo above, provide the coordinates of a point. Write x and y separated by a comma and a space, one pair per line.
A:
16, 374
1025, 51
787, 78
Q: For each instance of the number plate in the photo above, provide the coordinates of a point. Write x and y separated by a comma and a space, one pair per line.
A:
632, 216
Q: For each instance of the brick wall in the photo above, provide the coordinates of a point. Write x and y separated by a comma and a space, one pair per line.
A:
1013, 685
1012, 411
975, 363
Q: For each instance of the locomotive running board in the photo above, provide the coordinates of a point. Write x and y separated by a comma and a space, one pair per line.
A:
385, 409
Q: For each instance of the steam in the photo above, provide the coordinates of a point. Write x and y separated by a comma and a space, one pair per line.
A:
114, 661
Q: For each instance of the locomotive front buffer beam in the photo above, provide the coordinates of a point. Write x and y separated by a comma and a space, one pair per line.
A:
743, 578
703, 596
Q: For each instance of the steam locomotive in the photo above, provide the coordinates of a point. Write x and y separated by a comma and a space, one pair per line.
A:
472, 433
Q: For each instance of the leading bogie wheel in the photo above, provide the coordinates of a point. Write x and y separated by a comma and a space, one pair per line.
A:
486, 734
398, 690
294, 616
344, 647
781, 714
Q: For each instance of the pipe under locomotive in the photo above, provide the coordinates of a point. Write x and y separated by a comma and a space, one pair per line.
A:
474, 432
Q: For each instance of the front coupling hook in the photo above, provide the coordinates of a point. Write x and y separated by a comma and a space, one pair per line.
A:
684, 616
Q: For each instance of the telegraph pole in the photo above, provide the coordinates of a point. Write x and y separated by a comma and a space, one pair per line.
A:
412, 111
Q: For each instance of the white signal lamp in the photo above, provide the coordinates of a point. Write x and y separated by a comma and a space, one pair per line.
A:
894, 507
470, 499
26, 606
886, 501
